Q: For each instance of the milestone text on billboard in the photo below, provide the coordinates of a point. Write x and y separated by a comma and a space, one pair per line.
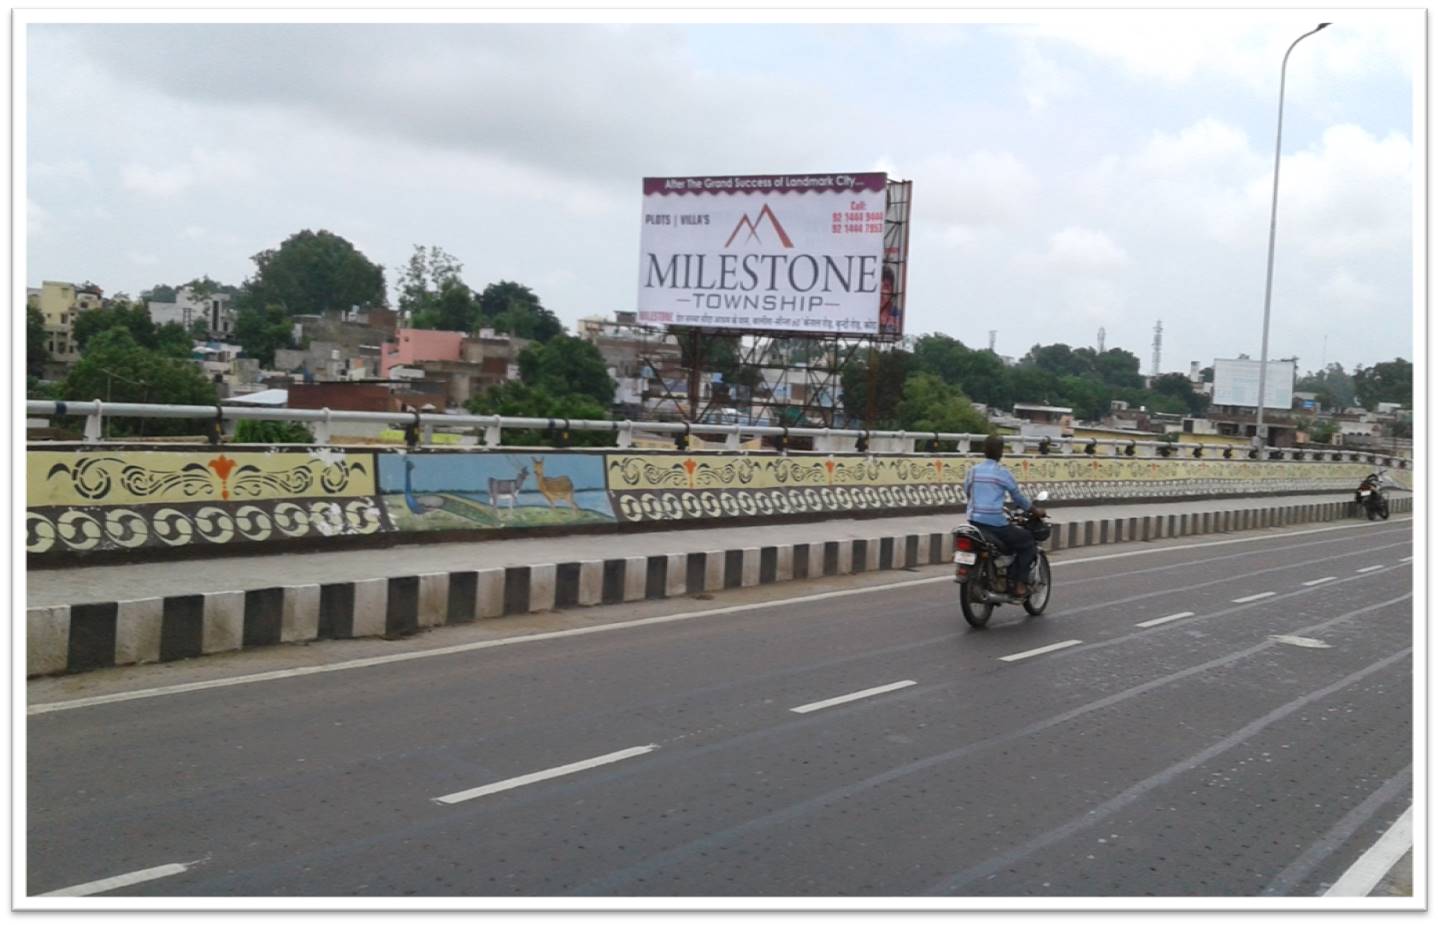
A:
788, 252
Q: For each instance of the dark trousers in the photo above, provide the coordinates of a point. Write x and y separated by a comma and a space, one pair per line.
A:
1018, 541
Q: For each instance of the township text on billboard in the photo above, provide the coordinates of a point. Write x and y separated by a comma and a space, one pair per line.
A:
801, 253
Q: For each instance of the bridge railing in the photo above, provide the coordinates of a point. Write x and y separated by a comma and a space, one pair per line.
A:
419, 428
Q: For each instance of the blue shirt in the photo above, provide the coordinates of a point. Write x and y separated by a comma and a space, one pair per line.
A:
985, 485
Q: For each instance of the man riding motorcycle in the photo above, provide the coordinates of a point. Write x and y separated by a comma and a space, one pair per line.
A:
985, 486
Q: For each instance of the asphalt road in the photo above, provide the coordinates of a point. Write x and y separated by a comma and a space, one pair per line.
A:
1257, 747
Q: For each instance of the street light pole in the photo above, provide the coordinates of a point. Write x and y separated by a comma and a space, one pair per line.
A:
1261, 436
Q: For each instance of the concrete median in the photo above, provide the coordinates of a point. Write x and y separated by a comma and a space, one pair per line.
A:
84, 636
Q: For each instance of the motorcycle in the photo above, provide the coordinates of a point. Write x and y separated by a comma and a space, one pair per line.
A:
1370, 496
980, 567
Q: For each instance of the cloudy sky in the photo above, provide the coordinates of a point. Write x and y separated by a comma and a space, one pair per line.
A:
1069, 173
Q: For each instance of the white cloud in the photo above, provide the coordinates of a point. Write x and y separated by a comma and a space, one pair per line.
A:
162, 182
143, 259
1345, 290
69, 170
983, 188
1043, 80
1083, 250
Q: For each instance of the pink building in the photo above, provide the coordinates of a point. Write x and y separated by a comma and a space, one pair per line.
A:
414, 345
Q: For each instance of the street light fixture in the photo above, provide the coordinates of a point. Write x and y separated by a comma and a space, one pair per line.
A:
1272, 230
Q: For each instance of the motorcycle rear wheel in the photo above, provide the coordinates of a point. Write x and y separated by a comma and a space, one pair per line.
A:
1383, 508
1038, 600
977, 613
1372, 510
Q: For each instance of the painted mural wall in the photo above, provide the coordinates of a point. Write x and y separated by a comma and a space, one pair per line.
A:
82, 499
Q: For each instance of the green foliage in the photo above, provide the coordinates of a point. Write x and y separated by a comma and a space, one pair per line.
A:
891, 369
158, 293
453, 308
261, 331
519, 399
35, 351
1334, 388
1385, 382
567, 366
1119, 369
134, 318
311, 272
1177, 386
248, 431
117, 368
980, 373
930, 404
515, 309
422, 281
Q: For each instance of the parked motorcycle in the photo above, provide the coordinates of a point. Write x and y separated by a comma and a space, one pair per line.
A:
981, 568
1370, 496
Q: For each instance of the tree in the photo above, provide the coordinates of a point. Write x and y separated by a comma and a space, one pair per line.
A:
134, 318
36, 349
261, 331
979, 373
1177, 385
249, 431
117, 368
158, 293
453, 308
1088, 397
891, 369
1118, 368
1334, 388
931, 405
567, 366
1060, 360
311, 272
1385, 382
1032, 385
519, 399
515, 309
423, 279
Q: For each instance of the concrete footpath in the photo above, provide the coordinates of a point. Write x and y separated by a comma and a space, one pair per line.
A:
79, 619
82, 584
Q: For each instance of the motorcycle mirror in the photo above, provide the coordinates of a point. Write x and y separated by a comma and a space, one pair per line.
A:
1042, 496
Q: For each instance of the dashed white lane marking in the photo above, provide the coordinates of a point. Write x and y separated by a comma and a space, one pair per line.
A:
1175, 616
1040, 651
857, 695
1303, 642
1406, 559
1319, 581
1370, 869
537, 776
122, 880
1254, 597
1371, 568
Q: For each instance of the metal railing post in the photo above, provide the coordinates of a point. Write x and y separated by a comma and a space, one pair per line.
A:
94, 424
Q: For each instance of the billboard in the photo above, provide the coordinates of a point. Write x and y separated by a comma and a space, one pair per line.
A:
1235, 382
791, 253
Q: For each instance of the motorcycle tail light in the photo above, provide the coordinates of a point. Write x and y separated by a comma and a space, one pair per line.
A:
963, 543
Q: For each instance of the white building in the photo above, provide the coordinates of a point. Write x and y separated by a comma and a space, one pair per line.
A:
214, 309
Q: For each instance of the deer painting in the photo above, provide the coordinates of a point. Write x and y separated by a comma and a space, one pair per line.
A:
559, 488
507, 488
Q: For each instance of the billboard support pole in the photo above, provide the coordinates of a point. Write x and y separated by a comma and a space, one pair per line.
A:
695, 365
870, 392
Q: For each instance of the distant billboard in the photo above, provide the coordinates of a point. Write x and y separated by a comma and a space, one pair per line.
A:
1235, 382
792, 253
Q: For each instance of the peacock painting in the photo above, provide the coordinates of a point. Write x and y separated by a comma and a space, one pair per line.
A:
422, 504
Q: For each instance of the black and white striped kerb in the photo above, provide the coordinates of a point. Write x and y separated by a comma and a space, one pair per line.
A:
103, 634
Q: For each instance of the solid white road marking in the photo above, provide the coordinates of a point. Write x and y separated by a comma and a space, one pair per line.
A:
1370, 869
1406, 559
1319, 581
79, 702
1254, 597
513, 782
1371, 568
1032, 652
1176, 616
857, 695
114, 883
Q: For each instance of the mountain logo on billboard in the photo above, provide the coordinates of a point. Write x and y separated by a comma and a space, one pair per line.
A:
753, 226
